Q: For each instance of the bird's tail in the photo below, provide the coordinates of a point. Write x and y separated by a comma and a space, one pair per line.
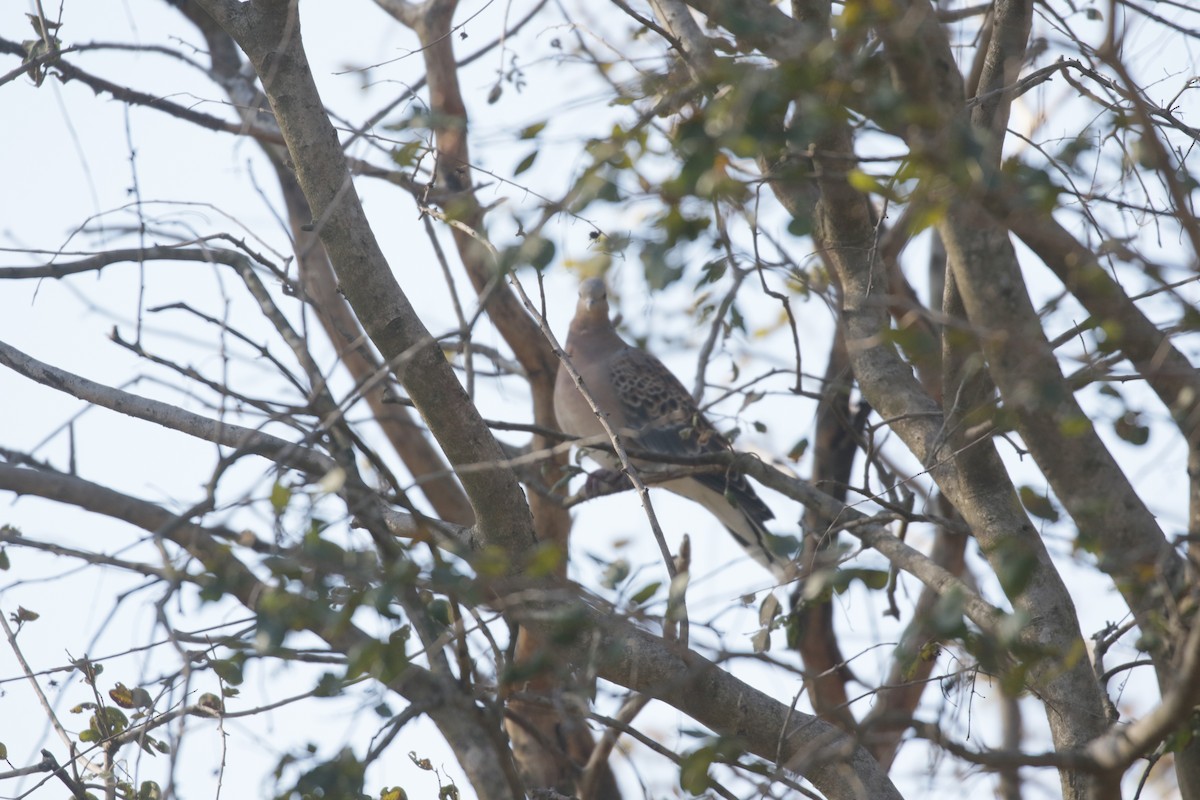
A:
733, 501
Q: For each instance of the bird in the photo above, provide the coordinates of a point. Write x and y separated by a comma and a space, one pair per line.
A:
652, 412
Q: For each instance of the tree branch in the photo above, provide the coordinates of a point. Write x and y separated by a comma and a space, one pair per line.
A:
272, 41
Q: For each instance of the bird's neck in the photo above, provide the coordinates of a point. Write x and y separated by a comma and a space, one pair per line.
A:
588, 337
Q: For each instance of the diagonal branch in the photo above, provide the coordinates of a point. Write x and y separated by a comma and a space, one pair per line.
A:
269, 33
247, 440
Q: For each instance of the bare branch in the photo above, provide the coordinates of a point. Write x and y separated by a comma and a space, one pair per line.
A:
290, 454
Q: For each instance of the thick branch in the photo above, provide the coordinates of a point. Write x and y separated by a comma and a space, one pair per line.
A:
972, 477
1021, 362
646, 663
1167, 371
270, 35
319, 284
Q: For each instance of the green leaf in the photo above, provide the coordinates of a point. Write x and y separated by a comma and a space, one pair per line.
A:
786, 545
90, 669
4, 562
947, 618
407, 154
615, 573
871, 578
1038, 504
569, 624
3, 752
439, 611
646, 592
750, 399
693, 771
1189, 320
869, 184
1181, 737
532, 130
713, 272
280, 495
212, 702
659, 271
1034, 185
341, 777
539, 251
609, 192
1075, 426
525, 163
1015, 565
114, 718
328, 685
915, 342
800, 226
1130, 428
228, 670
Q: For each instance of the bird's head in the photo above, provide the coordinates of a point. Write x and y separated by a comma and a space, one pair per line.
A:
593, 302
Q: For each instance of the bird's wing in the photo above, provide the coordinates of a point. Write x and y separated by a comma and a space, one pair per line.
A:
663, 418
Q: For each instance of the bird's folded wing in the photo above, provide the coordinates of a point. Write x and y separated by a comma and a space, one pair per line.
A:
664, 418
